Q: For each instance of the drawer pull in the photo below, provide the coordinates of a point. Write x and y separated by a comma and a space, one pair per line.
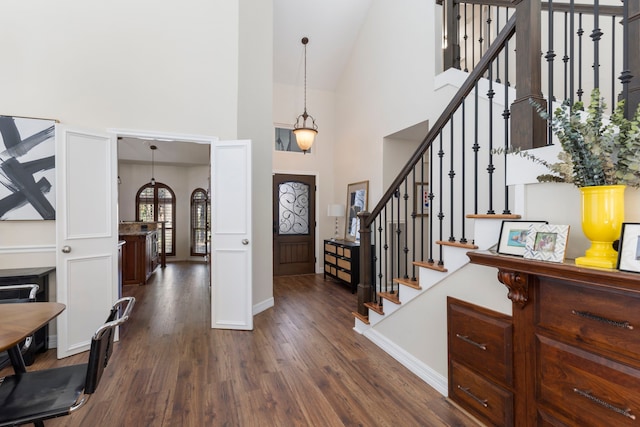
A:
465, 390
472, 342
591, 316
626, 412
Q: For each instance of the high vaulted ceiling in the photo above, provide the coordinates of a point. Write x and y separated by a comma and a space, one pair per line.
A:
332, 27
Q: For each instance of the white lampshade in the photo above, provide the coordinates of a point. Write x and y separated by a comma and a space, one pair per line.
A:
335, 210
305, 137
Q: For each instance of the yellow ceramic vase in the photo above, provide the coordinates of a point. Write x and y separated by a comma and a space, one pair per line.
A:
602, 218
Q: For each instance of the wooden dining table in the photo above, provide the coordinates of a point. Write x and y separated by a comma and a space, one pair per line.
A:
18, 321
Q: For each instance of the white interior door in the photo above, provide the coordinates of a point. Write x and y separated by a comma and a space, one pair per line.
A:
86, 228
231, 282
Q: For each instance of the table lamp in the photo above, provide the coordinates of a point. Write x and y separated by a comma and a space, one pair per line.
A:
336, 211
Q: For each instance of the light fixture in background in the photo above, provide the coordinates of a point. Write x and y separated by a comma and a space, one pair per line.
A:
305, 135
336, 211
153, 150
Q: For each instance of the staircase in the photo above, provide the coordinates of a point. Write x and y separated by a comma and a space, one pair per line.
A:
404, 279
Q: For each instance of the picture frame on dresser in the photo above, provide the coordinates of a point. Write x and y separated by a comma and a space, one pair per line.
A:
547, 242
629, 248
513, 236
357, 200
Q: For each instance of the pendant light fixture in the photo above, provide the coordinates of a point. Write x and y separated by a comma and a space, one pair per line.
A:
153, 149
305, 135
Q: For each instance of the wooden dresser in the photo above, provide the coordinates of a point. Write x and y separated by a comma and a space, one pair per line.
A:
342, 261
576, 342
480, 361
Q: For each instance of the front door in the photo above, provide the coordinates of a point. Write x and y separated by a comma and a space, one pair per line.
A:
294, 224
87, 234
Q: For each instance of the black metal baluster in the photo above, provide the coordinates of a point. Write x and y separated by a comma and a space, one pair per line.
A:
476, 149
490, 168
431, 197
466, 38
452, 174
565, 58
580, 34
463, 160
457, 51
473, 36
550, 56
613, 64
386, 252
596, 35
398, 242
506, 114
572, 51
498, 58
392, 256
440, 192
480, 38
414, 226
422, 208
406, 231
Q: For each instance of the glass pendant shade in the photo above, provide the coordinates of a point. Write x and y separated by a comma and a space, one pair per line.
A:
305, 137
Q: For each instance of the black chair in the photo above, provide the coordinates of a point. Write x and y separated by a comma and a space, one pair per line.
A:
40, 395
18, 294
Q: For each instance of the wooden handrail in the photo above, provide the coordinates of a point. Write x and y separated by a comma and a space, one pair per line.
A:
483, 65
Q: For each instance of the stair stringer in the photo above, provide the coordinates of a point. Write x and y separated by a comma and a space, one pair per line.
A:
393, 331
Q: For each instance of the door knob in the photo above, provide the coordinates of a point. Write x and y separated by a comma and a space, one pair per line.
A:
66, 249
245, 241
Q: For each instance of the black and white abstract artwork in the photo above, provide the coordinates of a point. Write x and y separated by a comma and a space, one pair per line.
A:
27, 168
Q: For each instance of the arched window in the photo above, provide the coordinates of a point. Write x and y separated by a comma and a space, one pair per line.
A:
200, 215
158, 203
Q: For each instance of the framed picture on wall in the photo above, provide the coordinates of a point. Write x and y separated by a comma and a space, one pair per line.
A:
28, 168
421, 198
357, 195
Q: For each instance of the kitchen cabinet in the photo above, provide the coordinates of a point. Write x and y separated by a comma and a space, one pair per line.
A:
140, 257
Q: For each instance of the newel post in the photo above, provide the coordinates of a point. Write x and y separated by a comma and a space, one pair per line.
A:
528, 129
364, 287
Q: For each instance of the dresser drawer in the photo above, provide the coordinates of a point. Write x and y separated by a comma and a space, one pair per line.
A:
344, 263
347, 252
608, 319
489, 402
586, 387
482, 339
340, 251
330, 248
344, 275
329, 258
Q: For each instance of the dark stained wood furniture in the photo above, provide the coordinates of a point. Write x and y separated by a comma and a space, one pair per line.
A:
140, 256
342, 262
21, 320
576, 342
480, 361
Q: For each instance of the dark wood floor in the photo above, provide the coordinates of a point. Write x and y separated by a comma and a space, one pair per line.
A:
302, 365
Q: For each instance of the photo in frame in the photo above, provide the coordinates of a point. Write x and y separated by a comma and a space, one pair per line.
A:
513, 236
357, 195
629, 248
547, 242
421, 198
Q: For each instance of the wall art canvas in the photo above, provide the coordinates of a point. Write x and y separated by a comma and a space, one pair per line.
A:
27, 168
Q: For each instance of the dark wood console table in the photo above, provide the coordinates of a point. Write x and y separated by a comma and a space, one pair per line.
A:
576, 342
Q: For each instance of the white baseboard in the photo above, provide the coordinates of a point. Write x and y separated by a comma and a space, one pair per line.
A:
262, 306
423, 371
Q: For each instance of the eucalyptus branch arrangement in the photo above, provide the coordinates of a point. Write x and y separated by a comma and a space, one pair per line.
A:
596, 151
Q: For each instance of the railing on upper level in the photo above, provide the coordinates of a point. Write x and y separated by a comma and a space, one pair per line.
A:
454, 174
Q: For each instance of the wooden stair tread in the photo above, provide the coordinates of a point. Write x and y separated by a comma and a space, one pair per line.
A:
393, 297
362, 318
408, 282
456, 244
375, 307
494, 216
430, 265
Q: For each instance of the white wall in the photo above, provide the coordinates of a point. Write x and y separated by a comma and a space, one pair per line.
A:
384, 88
171, 67
289, 104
